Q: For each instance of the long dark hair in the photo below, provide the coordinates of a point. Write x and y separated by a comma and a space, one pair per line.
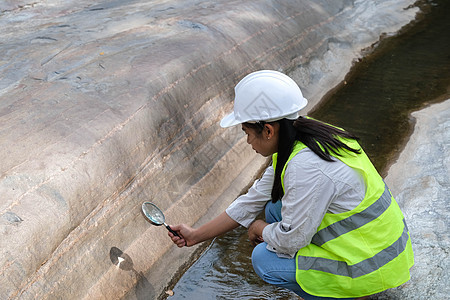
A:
321, 138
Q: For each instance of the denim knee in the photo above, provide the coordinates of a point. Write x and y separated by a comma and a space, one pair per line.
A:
273, 211
271, 268
259, 259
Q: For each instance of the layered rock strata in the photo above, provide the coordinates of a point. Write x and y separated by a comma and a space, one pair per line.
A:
107, 104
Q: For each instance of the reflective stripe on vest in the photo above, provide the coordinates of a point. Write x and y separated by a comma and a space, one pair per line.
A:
360, 252
362, 268
354, 221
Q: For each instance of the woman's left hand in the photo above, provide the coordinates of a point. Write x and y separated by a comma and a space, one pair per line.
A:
255, 232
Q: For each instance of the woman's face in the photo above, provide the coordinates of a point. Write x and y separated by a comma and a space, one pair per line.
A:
265, 142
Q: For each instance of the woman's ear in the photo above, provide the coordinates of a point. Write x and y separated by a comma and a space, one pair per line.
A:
269, 131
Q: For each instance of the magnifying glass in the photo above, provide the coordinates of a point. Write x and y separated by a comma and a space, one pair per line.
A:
156, 216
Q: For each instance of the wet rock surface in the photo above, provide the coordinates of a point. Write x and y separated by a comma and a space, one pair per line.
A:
107, 104
420, 180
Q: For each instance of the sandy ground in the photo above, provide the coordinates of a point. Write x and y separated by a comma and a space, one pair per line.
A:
420, 182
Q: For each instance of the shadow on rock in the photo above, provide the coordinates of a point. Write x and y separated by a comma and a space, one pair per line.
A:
143, 289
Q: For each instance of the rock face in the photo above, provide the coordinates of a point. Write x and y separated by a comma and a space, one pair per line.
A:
107, 104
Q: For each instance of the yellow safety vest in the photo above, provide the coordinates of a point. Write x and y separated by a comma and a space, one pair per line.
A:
360, 252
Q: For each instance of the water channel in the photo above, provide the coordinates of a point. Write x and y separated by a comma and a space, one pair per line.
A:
402, 74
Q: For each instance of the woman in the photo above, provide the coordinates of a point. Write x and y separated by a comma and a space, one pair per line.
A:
332, 228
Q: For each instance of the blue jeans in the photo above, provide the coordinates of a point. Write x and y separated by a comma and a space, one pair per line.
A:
273, 269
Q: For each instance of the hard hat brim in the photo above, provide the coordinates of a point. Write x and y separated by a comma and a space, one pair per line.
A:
229, 120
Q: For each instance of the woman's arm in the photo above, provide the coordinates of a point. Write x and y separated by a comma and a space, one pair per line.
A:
246, 208
312, 186
255, 231
190, 236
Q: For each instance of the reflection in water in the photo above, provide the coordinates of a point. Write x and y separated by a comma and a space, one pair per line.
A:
403, 74
225, 271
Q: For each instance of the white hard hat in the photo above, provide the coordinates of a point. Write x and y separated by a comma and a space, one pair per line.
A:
265, 96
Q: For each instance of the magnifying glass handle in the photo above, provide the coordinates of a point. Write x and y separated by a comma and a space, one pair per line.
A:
171, 230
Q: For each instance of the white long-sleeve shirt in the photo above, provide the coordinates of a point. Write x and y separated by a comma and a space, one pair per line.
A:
313, 187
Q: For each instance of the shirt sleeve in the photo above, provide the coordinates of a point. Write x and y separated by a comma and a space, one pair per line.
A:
246, 208
308, 193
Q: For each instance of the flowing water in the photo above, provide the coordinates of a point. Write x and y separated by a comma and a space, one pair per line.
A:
404, 73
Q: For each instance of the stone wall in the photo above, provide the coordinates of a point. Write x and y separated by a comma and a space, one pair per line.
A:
107, 104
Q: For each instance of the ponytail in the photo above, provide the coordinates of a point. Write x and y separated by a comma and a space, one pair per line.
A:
321, 138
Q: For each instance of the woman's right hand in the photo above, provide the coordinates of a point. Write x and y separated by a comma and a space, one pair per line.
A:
186, 235
190, 236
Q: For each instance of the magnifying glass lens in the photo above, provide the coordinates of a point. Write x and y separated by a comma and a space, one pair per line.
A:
156, 216
153, 213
